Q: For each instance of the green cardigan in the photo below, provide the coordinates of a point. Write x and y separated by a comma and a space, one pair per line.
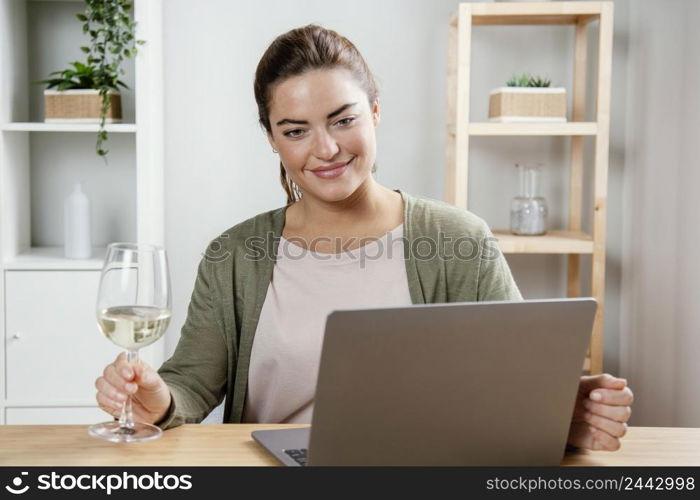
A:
450, 256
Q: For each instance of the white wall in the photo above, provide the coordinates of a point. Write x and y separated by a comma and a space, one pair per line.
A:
660, 332
688, 272
220, 170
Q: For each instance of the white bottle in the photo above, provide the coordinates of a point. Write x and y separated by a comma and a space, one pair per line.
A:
76, 225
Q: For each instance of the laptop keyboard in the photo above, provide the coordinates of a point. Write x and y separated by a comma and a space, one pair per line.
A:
299, 456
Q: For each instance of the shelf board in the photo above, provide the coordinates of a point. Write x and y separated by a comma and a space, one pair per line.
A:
67, 127
532, 13
52, 259
563, 242
530, 128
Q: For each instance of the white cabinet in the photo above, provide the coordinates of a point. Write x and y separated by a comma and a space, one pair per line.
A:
52, 350
54, 347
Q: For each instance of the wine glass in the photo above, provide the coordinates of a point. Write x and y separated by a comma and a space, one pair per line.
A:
133, 311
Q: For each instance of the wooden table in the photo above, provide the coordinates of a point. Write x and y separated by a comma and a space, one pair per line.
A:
231, 444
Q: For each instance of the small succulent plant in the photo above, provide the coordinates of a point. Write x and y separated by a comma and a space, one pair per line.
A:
527, 80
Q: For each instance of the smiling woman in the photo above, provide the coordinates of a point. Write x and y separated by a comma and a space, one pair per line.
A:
312, 68
265, 287
324, 132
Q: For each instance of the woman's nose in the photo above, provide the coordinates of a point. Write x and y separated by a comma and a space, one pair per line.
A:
325, 146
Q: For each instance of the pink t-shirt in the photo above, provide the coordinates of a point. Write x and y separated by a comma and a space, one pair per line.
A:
305, 287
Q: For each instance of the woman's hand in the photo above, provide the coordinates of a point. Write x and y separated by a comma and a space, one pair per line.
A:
601, 413
149, 392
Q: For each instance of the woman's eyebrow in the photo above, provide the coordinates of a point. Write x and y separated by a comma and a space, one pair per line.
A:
304, 122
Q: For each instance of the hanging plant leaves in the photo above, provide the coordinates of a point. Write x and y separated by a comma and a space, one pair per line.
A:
111, 29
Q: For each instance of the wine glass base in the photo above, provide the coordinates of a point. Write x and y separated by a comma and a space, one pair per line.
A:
112, 431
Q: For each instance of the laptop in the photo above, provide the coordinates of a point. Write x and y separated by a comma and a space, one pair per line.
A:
478, 383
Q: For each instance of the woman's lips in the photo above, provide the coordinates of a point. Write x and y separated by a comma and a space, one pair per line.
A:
332, 173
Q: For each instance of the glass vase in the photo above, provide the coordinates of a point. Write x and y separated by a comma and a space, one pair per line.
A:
528, 211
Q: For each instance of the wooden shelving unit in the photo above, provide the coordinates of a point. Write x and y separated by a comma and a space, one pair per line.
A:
571, 240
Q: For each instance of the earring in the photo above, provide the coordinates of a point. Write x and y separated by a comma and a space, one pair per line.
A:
274, 150
296, 190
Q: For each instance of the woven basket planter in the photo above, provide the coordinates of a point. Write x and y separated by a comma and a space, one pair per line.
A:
528, 104
80, 106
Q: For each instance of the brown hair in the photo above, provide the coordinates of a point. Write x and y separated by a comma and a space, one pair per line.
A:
296, 52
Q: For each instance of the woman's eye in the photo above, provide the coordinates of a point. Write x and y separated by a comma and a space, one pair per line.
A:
294, 133
297, 132
346, 121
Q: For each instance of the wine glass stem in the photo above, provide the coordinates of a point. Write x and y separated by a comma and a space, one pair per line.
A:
126, 420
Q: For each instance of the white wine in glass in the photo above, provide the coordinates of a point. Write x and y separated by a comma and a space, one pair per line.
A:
133, 327
133, 311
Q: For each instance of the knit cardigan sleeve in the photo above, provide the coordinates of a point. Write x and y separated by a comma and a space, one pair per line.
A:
196, 373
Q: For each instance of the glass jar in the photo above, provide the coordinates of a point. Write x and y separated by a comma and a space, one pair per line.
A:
528, 211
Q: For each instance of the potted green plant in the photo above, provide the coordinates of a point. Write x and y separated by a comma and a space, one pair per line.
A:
526, 98
89, 91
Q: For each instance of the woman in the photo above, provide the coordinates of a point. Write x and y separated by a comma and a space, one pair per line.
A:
255, 321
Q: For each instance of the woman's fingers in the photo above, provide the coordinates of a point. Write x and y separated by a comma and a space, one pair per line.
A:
120, 379
604, 441
109, 391
146, 377
615, 397
129, 377
112, 401
616, 413
587, 383
109, 405
611, 427
584, 435
115, 376
121, 368
124, 369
